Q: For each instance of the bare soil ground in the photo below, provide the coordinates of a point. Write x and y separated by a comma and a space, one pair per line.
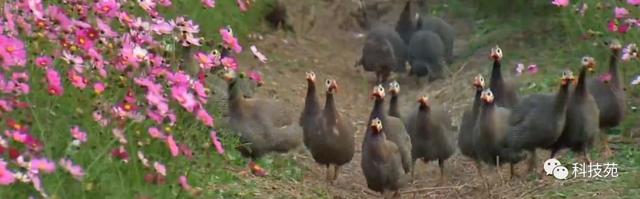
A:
330, 47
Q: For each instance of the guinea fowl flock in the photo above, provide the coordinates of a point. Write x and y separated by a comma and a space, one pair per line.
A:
499, 128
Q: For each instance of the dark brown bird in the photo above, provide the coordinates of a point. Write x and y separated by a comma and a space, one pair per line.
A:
310, 112
609, 96
333, 143
504, 91
395, 128
430, 134
490, 134
278, 17
381, 161
263, 125
383, 52
581, 125
394, 89
469, 118
538, 120
405, 25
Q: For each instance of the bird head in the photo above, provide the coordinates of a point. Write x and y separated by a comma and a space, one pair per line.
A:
478, 82
394, 88
589, 63
378, 92
567, 78
376, 125
332, 86
311, 76
229, 75
615, 45
424, 101
496, 53
487, 96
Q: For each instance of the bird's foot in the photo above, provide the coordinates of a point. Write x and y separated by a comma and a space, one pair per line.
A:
256, 169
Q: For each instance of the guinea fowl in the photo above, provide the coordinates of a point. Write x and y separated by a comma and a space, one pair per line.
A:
429, 131
581, 124
383, 52
333, 143
504, 91
490, 134
311, 111
394, 89
439, 26
609, 96
381, 163
261, 124
405, 26
538, 120
469, 118
426, 54
395, 128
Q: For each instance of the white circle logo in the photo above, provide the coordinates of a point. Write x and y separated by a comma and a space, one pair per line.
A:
550, 164
560, 172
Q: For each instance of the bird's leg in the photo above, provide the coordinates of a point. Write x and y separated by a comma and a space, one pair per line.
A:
478, 168
585, 155
498, 168
607, 152
327, 172
532, 160
413, 171
335, 173
442, 177
512, 171
396, 194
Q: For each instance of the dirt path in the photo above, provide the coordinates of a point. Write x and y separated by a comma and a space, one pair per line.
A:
330, 50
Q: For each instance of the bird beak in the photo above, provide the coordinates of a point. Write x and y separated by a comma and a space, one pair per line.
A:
260, 83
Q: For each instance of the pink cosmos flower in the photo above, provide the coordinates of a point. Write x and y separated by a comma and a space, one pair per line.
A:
149, 6
12, 52
560, 3
605, 77
79, 135
242, 4
629, 52
624, 27
634, 2
256, 76
120, 153
186, 99
43, 164
532, 69
216, 142
44, 61
229, 39
185, 150
257, 54
156, 133
160, 168
105, 29
36, 8
184, 183
107, 8
204, 117
98, 117
229, 63
165, 3
173, 147
620, 12
53, 79
612, 26
6, 176
208, 3
162, 27
77, 80
98, 87
200, 91
204, 60
75, 170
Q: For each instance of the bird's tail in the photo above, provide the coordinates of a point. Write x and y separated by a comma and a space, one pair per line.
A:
287, 138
